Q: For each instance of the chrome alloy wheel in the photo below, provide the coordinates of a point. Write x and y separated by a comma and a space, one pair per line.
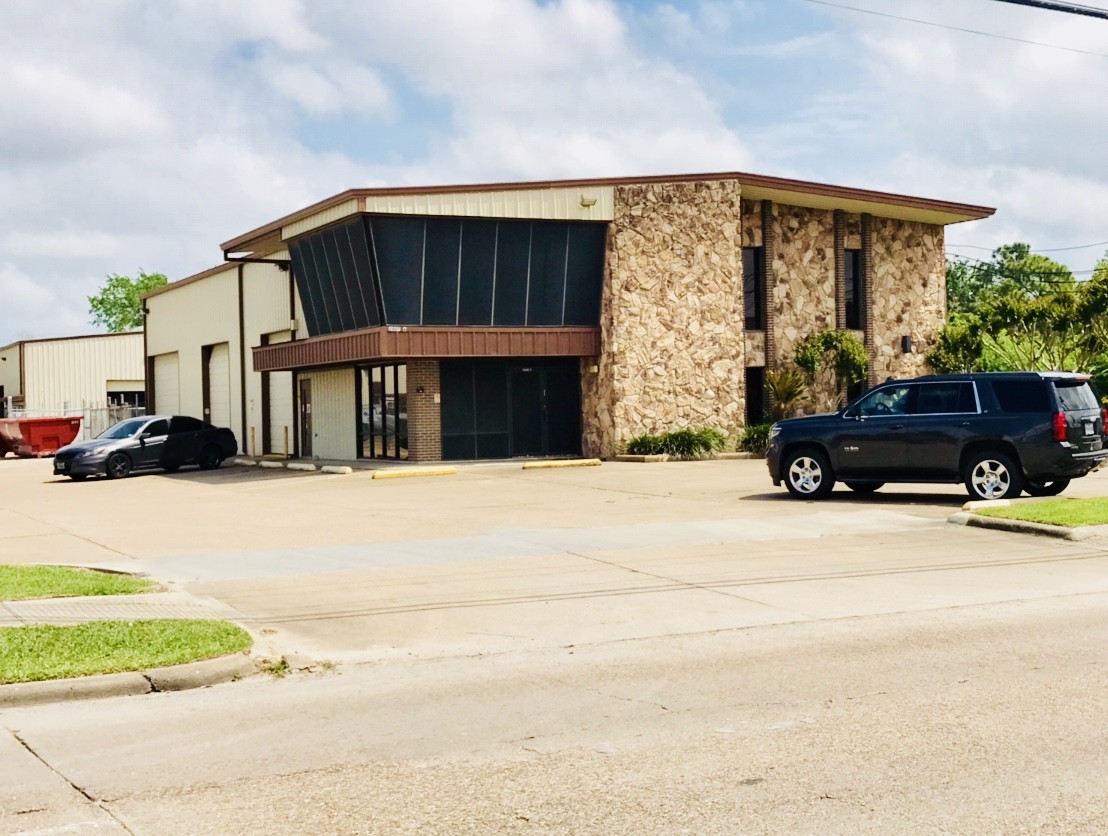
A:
805, 474
991, 479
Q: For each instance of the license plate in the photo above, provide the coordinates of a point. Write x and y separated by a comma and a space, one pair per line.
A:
1090, 428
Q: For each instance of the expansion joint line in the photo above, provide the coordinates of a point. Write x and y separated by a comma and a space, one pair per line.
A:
81, 790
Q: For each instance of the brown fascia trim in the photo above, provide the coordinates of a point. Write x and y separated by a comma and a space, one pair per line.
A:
401, 342
67, 339
240, 244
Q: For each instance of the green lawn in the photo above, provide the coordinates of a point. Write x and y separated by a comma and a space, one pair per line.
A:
21, 582
1068, 512
40, 651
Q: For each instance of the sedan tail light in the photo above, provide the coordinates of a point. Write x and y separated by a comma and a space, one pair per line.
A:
1059, 426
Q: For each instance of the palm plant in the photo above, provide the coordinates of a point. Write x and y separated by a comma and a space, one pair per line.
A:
786, 389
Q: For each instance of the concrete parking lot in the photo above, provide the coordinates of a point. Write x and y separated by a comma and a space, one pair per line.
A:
348, 568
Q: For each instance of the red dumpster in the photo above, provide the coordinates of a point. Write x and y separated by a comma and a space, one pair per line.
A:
35, 437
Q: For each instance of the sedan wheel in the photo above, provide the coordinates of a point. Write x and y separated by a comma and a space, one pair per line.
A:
118, 466
993, 476
1044, 488
210, 458
808, 475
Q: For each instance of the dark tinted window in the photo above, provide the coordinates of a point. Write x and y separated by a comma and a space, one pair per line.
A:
888, 400
160, 427
1076, 394
853, 288
1021, 395
440, 272
753, 289
946, 398
184, 424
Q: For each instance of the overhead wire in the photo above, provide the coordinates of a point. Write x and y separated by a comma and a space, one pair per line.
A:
957, 28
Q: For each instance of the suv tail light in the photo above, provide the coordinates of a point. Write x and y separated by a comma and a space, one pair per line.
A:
1104, 421
1059, 426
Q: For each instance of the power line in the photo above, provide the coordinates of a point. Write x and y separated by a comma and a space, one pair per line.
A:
1070, 8
1047, 250
957, 28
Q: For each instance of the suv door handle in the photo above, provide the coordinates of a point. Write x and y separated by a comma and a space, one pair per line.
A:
898, 426
965, 424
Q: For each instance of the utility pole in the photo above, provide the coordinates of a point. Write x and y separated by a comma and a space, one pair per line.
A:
1069, 8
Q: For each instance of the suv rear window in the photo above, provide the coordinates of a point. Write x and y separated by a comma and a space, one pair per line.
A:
1075, 395
1021, 395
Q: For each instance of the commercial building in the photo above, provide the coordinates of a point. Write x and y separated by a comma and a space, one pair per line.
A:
533, 319
89, 375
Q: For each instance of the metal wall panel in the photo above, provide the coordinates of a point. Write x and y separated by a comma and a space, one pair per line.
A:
74, 373
9, 370
561, 204
334, 410
167, 384
187, 318
266, 310
282, 426
327, 216
219, 386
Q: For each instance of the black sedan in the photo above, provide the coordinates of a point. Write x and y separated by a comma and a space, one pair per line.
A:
162, 441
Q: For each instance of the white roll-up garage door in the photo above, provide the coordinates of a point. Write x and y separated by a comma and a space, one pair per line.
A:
219, 386
282, 430
167, 385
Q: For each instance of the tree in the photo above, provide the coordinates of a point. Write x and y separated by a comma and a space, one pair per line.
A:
118, 305
1024, 311
1012, 267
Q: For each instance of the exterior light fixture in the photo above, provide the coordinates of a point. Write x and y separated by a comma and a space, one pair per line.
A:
906, 344
586, 201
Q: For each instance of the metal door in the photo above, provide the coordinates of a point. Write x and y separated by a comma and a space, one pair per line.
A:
306, 417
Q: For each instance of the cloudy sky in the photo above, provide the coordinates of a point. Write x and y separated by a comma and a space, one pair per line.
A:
139, 135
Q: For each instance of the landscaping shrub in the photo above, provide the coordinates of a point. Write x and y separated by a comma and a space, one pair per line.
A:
645, 445
680, 444
755, 439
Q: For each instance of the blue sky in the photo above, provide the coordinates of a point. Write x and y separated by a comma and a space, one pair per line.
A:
141, 135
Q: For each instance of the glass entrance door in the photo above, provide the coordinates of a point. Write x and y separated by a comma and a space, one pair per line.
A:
383, 407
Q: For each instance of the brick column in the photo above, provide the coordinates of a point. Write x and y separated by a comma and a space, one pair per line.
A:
840, 269
769, 279
867, 298
424, 412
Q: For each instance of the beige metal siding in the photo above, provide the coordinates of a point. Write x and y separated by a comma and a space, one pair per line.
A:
9, 371
167, 384
185, 319
219, 386
71, 374
281, 417
265, 311
562, 204
330, 215
334, 429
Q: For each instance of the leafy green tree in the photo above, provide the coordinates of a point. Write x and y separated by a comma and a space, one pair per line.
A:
1012, 267
118, 305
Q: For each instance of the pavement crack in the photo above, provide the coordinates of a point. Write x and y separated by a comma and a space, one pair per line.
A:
628, 699
99, 802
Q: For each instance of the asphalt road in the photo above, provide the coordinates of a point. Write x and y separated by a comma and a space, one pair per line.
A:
641, 649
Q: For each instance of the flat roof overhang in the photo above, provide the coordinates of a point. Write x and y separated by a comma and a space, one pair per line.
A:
272, 236
402, 342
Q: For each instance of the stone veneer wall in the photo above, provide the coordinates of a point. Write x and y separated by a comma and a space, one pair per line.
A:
908, 296
804, 301
671, 316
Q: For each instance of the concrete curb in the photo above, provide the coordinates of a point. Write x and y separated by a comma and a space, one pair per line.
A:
1025, 527
300, 466
271, 464
405, 472
336, 468
562, 463
132, 683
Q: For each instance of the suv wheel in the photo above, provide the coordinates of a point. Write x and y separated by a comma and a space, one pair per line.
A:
992, 475
1046, 488
808, 474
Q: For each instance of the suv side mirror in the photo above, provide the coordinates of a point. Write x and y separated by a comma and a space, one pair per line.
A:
851, 413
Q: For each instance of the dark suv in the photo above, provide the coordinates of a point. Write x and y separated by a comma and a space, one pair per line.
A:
998, 433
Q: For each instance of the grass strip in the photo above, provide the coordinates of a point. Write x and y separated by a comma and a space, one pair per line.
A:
38, 652
1072, 513
18, 583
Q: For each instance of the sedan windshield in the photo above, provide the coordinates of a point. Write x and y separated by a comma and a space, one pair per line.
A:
124, 429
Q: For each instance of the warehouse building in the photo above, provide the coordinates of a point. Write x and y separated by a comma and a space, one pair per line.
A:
100, 377
539, 319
